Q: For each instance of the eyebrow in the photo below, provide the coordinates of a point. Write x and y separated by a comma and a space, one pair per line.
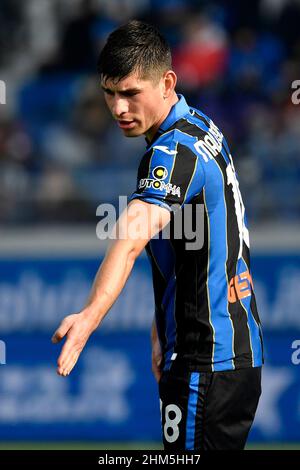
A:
127, 90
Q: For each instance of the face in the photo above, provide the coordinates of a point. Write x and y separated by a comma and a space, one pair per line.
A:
138, 105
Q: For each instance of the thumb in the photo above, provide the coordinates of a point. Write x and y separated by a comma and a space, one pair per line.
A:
158, 361
62, 330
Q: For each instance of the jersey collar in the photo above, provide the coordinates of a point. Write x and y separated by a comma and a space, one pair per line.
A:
177, 111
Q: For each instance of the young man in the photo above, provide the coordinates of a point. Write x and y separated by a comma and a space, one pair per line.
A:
206, 336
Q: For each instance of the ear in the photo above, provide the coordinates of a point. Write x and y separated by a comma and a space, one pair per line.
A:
169, 83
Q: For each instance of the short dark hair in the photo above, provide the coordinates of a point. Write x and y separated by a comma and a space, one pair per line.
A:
134, 46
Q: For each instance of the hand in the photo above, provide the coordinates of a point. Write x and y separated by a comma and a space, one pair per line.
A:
156, 360
78, 328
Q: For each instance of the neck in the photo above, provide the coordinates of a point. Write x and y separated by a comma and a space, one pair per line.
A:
169, 104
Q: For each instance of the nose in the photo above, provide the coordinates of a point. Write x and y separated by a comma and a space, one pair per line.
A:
120, 106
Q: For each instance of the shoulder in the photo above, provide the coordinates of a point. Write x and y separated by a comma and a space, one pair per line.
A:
190, 128
173, 142
209, 138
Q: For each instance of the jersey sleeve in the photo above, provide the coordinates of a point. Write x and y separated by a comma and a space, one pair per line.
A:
169, 175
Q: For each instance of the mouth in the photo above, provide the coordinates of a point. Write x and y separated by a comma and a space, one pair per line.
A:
126, 124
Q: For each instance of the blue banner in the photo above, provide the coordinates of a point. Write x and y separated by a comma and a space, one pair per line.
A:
111, 394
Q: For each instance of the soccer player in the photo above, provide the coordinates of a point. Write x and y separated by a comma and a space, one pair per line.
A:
206, 334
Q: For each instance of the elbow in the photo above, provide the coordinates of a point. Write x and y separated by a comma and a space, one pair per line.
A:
136, 248
133, 255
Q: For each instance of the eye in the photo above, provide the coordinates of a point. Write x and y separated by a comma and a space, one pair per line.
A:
108, 92
130, 93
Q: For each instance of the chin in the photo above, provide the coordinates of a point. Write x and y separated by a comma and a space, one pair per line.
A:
132, 132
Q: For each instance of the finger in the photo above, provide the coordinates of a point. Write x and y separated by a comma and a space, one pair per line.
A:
69, 366
64, 368
70, 362
156, 357
67, 351
61, 331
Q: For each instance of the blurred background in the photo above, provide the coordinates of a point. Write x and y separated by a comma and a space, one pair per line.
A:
61, 155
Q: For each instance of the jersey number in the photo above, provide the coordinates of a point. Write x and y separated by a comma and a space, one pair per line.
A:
239, 206
171, 429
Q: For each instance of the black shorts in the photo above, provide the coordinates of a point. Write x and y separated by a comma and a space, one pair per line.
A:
208, 410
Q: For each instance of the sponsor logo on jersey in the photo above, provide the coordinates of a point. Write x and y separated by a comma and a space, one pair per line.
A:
159, 174
240, 287
164, 148
160, 186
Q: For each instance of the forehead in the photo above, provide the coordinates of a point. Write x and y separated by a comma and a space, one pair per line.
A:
133, 80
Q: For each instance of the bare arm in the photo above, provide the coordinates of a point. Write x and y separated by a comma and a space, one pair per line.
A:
156, 352
110, 279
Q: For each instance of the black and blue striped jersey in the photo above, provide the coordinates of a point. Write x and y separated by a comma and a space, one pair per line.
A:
205, 306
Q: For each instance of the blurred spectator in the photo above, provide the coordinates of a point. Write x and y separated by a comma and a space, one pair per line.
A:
202, 55
255, 61
11, 15
60, 152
